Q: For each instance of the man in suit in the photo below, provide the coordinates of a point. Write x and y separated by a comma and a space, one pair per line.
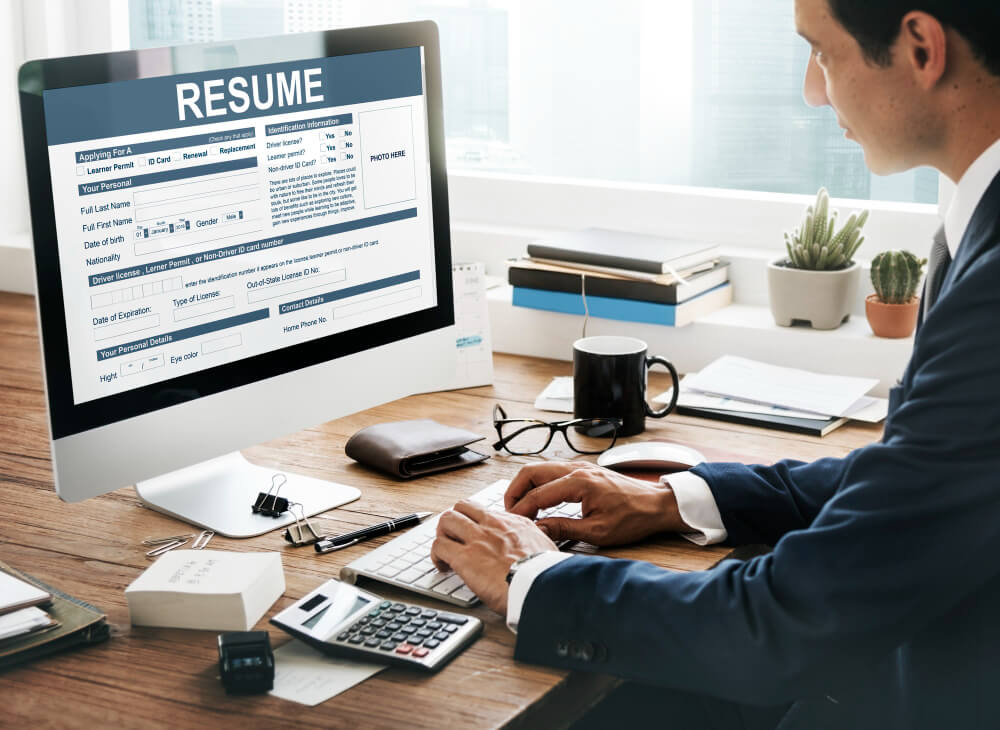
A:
879, 605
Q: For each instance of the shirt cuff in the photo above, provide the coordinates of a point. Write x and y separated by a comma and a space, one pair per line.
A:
697, 508
522, 580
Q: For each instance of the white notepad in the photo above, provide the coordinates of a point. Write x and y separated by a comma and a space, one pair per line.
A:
15, 594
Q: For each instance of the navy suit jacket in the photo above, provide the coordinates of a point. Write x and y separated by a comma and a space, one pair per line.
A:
880, 603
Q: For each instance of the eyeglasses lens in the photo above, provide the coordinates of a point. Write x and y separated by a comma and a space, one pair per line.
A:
591, 437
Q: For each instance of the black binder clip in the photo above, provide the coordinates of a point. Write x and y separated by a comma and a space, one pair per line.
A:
302, 532
269, 503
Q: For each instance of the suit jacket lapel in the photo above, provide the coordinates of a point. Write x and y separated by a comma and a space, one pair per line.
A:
980, 236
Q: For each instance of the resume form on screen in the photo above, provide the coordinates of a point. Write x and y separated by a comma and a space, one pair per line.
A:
209, 217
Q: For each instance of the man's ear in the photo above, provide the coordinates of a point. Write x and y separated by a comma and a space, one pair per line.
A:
923, 45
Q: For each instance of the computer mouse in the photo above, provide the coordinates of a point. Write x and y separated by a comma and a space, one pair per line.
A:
660, 456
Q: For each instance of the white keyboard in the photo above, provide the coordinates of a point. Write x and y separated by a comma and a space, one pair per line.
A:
405, 562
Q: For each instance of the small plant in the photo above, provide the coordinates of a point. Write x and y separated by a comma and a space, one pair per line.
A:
895, 276
816, 247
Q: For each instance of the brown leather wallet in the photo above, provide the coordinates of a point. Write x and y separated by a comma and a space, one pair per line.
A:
411, 449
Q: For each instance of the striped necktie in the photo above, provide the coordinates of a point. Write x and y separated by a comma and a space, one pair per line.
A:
937, 267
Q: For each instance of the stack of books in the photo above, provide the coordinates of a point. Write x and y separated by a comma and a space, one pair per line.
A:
622, 276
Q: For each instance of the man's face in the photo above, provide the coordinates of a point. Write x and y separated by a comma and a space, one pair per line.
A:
875, 105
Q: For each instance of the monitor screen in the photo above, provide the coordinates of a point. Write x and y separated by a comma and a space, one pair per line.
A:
206, 218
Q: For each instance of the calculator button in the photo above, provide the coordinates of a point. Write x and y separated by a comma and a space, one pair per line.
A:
394, 626
372, 643
383, 634
378, 622
385, 604
407, 630
451, 628
344, 636
399, 637
424, 633
356, 639
369, 630
398, 607
413, 611
388, 646
441, 636
432, 643
374, 613
420, 652
417, 622
363, 620
428, 613
435, 625
453, 618
404, 649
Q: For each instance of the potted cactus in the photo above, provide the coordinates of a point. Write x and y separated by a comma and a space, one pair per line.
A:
818, 280
892, 309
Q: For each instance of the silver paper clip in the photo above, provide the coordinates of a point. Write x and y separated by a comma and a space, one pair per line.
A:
296, 534
164, 540
202, 540
174, 543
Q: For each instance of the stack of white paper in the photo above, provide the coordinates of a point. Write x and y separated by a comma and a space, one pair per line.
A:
747, 386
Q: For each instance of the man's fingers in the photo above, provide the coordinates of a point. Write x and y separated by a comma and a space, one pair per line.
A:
532, 476
471, 510
456, 525
442, 550
564, 528
568, 488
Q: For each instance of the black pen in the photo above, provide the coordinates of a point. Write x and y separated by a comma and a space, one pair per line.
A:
339, 542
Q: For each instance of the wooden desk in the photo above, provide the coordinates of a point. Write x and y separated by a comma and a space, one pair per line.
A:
156, 677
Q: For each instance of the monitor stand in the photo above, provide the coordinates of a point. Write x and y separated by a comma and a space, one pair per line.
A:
218, 494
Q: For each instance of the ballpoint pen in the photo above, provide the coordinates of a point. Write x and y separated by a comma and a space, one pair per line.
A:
339, 542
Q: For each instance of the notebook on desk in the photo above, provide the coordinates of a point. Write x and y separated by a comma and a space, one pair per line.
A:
79, 623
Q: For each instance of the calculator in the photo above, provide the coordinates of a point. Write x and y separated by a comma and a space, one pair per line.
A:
342, 620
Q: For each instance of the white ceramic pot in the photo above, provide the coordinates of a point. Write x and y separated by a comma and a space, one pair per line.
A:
822, 299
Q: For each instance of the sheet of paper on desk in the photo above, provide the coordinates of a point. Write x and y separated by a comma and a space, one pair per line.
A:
304, 675
738, 377
557, 396
472, 325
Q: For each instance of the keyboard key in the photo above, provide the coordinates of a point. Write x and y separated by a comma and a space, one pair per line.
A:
401, 563
425, 565
453, 618
420, 652
404, 649
447, 586
464, 594
409, 575
432, 578
389, 572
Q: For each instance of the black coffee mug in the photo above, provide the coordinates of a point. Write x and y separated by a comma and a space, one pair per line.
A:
609, 381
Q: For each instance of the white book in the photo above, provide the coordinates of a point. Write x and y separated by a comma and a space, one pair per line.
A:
16, 594
206, 589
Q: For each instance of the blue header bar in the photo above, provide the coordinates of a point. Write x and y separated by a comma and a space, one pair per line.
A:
97, 111
308, 124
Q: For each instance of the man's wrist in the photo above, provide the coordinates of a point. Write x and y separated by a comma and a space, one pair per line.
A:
670, 516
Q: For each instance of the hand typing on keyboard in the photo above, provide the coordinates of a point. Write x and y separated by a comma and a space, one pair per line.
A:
615, 509
481, 545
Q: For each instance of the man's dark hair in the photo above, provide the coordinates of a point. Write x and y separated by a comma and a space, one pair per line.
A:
876, 24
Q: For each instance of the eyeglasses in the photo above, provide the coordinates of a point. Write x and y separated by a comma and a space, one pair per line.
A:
523, 436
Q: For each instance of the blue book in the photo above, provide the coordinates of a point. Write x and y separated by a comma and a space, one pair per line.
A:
627, 310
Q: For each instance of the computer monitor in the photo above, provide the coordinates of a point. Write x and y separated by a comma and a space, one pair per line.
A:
234, 241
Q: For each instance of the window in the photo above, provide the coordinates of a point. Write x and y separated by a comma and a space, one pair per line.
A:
684, 92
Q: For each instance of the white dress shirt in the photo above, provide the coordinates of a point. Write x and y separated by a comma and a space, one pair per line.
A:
695, 502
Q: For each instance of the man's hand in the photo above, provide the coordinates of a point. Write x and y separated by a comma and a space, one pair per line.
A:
616, 509
481, 546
